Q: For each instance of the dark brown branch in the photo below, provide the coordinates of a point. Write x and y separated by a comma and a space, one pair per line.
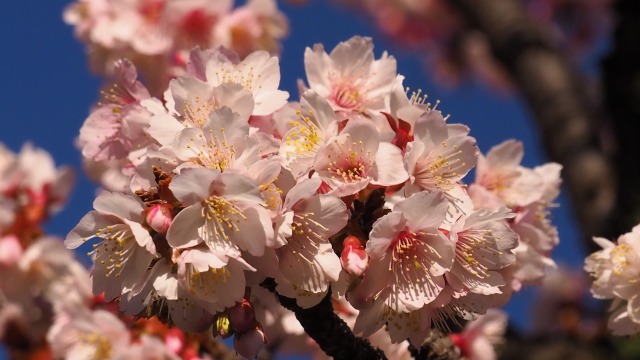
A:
437, 346
556, 97
331, 333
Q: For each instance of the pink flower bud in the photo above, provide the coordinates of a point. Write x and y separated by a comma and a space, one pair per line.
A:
10, 250
159, 217
461, 343
352, 241
174, 340
249, 343
242, 316
354, 261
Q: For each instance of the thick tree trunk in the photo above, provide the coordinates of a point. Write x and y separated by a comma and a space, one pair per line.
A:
557, 99
621, 75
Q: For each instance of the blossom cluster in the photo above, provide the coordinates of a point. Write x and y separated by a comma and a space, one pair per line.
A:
355, 190
157, 35
97, 331
39, 277
46, 305
615, 270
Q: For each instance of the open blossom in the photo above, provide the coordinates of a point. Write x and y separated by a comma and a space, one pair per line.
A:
478, 339
615, 270
256, 25
306, 260
223, 143
350, 77
214, 279
31, 188
440, 155
502, 181
117, 125
98, 334
126, 248
309, 129
45, 271
258, 73
484, 244
408, 259
356, 158
500, 172
223, 210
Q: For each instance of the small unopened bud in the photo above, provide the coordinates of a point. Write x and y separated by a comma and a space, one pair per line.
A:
242, 317
174, 340
249, 343
352, 241
354, 261
354, 258
159, 217
223, 326
461, 343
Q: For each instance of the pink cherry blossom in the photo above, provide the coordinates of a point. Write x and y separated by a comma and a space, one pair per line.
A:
306, 260
501, 173
350, 77
116, 125
97, 334
223, 210
356, 158
214, 279
484, 244
408, 259
258, 73
308, 130
478, 339
126, 248
615, 270
257, 25
440, 155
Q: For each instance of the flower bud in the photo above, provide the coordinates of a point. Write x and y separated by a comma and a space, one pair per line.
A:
461, 343
249, 343
159, 217
174, 340
223, 326
352, 241
354, 261
242, 317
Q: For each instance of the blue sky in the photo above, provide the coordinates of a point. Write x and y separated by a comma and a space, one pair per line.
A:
46, 92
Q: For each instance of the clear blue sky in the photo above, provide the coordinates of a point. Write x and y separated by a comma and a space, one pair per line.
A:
46, 92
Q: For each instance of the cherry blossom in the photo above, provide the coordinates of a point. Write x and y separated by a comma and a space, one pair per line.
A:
350, 77
126, 248
356, 158
223, 210
408, 259
615, 272
306, 260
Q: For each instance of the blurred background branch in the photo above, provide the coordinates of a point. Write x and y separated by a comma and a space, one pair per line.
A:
557, 98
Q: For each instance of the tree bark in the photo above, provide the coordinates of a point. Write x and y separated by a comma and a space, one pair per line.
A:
331, 333
621, 75
557, 99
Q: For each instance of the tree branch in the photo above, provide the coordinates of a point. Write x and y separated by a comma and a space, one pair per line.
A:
331, 333
556, 97
437, 346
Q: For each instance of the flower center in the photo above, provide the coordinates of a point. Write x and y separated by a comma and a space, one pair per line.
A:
221, 216
347, 96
